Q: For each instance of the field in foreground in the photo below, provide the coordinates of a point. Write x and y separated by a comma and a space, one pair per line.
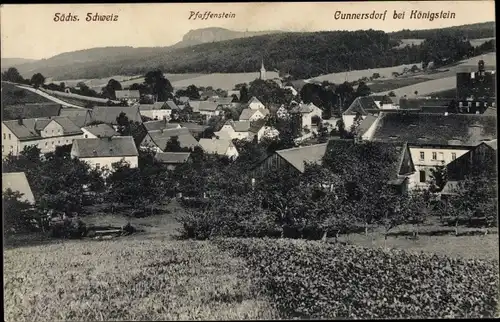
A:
149, 276
129, 279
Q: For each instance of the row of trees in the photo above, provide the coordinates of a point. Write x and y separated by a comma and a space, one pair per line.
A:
13, 75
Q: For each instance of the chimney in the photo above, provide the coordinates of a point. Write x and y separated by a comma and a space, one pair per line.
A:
20, 121
111, 150
94, 152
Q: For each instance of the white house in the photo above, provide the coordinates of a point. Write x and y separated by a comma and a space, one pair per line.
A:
101, 153
307, 115
433, 139
255, 104
128, 96
98, 131
156, 111
220, 147
209, 109
234, 130
44, 133
251, 115
363, 106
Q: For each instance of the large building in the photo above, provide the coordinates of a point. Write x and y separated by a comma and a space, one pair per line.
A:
476, 86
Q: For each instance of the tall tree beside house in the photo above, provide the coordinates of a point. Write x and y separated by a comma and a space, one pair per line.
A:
122, 122
244, 93
173, 145
345, 93
186, 113
268, 92
37, 80
363, 89
17, 214
438, 178
357, 121
110, 89
159, 85
12, 75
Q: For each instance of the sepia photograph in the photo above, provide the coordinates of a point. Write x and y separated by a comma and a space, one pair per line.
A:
249, 161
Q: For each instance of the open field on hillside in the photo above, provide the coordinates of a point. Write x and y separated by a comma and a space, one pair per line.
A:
480, 41
12, 95
225, 81
394, 83
425, 88
354, 75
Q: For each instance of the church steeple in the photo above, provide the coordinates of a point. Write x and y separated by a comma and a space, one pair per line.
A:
262, 71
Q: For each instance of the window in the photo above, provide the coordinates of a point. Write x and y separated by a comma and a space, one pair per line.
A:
52, 142
2, 147
86, 135
4, 137
422, 155
97, 165
9, 136
58, 142
46, 143
453, 155
441, 156
422, 175
434, 156
11, 148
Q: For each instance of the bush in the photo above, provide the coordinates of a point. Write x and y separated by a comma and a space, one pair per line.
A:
318, 280
68, 228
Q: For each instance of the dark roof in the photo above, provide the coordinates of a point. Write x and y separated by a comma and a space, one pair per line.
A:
30, 128
101, 130
161, 137
171, 105
393, 154
424, 128
32, 110
255, 126
193, 127
117, 146
208, 106
424, 105
109, 114
363, 105
172, 157
154, 106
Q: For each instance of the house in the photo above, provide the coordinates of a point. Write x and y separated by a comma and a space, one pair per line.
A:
480, 159
249, 114
160, 125
101, 153
255, 104
223, 102
173, 159
209, 109
17, 181
99, 131
425, 105
363, 106
306, 115
293, 158
109, 114
222, 147
195, 129
128, 96
31, 110
80, 116
158, 139
45, 133
433, 139
195, 106
246, 130
156, 111
238, 130
476, 83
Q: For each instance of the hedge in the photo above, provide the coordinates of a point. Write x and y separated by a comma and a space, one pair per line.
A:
310, 279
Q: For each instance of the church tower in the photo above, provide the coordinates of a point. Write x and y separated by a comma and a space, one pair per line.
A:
262, 71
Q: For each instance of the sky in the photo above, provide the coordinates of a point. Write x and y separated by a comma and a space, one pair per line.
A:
29, 30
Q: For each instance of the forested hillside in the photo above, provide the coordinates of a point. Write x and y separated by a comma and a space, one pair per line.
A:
474, 31
303, 55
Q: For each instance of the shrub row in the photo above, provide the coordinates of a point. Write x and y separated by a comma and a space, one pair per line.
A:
309, 279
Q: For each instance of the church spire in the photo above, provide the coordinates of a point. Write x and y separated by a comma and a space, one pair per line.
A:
262, 71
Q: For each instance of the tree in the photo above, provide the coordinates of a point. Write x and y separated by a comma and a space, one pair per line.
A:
159, 85
363, 89
123, 123
173, 145
244, 94
37, 80
12, 75
416, 93
110, 89
439, 177
17, 216
392, 94
323, 134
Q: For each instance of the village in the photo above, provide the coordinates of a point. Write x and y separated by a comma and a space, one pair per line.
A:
244, 175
